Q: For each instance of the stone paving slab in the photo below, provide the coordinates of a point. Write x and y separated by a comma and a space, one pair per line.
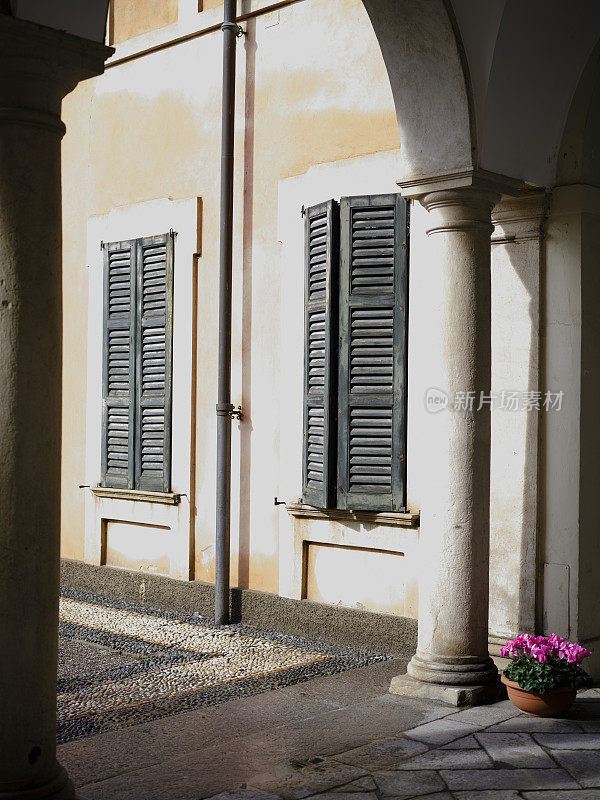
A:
441, 731
474, 779
514, 750
405, 785
502, 794
385, 753
439, 796
525, 724
339, 795
590, 725
466, 743
487, 715
364, 784
568, 741
449, 759
573, 794
245, 795
583, 765
294, 784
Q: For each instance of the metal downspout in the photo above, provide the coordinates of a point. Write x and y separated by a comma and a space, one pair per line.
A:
224, 407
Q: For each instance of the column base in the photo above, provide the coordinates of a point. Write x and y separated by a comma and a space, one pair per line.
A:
57, 788
452, 670
454, 695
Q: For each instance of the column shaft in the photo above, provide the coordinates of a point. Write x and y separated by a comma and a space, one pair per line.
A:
30, 436
452, 652
38, 66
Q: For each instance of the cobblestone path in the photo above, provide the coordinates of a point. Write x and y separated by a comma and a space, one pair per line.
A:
122, 665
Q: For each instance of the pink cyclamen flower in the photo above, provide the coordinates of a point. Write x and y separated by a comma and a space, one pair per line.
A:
542, 647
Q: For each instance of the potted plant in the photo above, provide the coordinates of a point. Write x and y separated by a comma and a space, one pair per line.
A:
544, 674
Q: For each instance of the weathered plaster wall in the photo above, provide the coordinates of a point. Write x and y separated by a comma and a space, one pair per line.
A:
588, 628
307, 130
561, 347
75, 155
150, 129
517, 263
129, 18
302, 538
569, 551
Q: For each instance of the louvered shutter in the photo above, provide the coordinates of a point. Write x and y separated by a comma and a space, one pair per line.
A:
372, 358
118, 378
321, 248
154, 356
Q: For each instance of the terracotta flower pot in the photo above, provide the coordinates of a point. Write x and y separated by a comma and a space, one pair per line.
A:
549, 704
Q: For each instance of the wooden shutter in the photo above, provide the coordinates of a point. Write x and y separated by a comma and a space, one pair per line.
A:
372, 358
118, 375
154, 357
321, 247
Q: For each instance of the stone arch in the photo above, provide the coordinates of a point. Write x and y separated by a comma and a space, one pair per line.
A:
420, 48
579, 154
429, 86
536, 60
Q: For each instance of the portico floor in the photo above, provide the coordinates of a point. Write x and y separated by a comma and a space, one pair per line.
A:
339, 736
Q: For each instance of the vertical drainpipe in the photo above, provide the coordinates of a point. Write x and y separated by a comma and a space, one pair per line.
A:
224, 407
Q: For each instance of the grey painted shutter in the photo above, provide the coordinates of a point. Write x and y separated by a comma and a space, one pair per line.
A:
154, 358
118, 374
372, 359
321, 248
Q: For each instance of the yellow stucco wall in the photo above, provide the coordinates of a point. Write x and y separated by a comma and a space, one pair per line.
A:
128, 18
311, 89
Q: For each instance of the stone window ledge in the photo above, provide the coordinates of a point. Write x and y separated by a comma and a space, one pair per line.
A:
399, 519
139, 495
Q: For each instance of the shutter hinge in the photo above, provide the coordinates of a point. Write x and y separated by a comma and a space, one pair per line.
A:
101, 244
302, 211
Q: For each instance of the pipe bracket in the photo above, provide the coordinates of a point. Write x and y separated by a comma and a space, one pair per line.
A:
233, 26
228, 410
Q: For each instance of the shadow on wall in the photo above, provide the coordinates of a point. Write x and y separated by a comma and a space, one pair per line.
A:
516, 270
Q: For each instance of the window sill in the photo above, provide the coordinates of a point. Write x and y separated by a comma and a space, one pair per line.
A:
139, 495
397, 519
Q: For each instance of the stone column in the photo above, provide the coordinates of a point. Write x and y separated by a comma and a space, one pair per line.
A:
38, 66
452, 661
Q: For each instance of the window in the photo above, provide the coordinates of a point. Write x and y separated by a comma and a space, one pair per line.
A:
136, 379
356, 256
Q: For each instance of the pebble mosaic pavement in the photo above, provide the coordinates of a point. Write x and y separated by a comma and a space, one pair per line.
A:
121, 664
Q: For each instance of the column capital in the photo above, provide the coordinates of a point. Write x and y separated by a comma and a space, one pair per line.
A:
38, 67
460, 209
473, 178
520, 218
